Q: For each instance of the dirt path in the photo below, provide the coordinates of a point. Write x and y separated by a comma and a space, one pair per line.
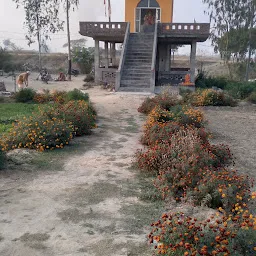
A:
91, 206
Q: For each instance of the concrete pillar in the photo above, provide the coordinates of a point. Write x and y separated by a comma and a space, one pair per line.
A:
167, 63
193, 62
106, 55
162, 57
113, 53
97, 61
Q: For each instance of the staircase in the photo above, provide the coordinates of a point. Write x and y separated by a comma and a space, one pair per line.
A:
137, 63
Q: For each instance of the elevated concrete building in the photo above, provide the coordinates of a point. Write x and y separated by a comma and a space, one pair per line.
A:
148, 35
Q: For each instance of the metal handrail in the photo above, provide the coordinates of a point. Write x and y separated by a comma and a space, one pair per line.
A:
121, 63
153, 65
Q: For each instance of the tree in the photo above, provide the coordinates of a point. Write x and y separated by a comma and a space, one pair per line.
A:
68, 4
5, 60
82, 55
41, 19
230, 18
9, 45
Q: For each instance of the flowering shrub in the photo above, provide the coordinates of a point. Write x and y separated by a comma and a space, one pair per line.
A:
183, 115
177, 234
58, 96
42, 98
80, 113
164, 101
38, 132
210, 97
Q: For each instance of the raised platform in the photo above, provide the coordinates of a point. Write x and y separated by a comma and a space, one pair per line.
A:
171, 32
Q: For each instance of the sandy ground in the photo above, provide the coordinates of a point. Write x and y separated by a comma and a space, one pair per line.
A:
87, 199
236, 127
39, 85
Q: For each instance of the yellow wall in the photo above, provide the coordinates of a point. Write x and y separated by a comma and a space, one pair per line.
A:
166, 11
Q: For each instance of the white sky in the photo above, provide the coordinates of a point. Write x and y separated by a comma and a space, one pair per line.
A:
11, 20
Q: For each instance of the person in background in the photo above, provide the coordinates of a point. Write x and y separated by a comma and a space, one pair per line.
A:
23, 80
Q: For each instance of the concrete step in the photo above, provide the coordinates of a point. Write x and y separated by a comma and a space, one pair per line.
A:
136, 83
133, 89
132, 60
139, 53
134, 57
135, 79
137, 73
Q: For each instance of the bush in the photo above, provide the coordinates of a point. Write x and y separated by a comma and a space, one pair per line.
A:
2, 158
59, 96
76, 95
241, 90
182, 115
209, 97
25, 95
38, 132
178, 234
80, 113
203, 82
252, 97
42, 98
164, 101
89, 78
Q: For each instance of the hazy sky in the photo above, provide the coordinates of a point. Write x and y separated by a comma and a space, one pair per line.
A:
11, 20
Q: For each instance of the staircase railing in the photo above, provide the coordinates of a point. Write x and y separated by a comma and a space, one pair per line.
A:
121, 63
153, 65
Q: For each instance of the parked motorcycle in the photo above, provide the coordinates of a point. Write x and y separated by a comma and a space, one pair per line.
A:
75, 72
45, 76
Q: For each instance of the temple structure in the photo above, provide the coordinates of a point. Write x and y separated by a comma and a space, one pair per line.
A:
147, 36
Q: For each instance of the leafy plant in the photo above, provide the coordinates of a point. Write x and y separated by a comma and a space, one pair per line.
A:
2, 158
76, 95
25, 95
252, 97
164, 100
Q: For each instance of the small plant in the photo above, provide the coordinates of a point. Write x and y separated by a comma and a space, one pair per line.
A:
89, 78
76, 95
164, 101
25, 95
2, 158
252, 97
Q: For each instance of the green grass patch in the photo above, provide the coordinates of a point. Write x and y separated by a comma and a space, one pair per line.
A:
10, 112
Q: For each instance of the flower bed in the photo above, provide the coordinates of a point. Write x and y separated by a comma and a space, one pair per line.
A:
187, 167
66, 115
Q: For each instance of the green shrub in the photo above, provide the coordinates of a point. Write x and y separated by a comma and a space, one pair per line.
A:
2, 158
38, 132
76, 95
240, 90
202, 81
25, 95
252, 97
